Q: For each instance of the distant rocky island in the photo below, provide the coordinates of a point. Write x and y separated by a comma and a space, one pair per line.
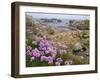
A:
61, 23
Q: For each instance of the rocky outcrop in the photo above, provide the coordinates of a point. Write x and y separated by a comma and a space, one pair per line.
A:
81, 25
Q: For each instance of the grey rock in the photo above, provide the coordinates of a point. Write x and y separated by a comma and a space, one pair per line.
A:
77, 46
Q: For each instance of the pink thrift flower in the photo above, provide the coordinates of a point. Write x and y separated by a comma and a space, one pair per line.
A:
57, 63
36, 52
28, 48
43, 58
59, 60
28, 52
32, 58
68, 62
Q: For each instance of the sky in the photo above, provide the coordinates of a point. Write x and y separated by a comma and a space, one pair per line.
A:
58, 15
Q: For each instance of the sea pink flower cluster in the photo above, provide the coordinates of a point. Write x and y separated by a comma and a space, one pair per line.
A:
46, 51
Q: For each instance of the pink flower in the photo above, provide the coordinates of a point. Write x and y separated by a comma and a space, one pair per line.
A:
59, 60
50, 60
57, 63
68, 62
43, 58
36, 52
62, 51
32, 58
53, 50
28, 48
29, 53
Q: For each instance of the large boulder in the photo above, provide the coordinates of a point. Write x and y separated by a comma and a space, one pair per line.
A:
77, 48
80, 50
